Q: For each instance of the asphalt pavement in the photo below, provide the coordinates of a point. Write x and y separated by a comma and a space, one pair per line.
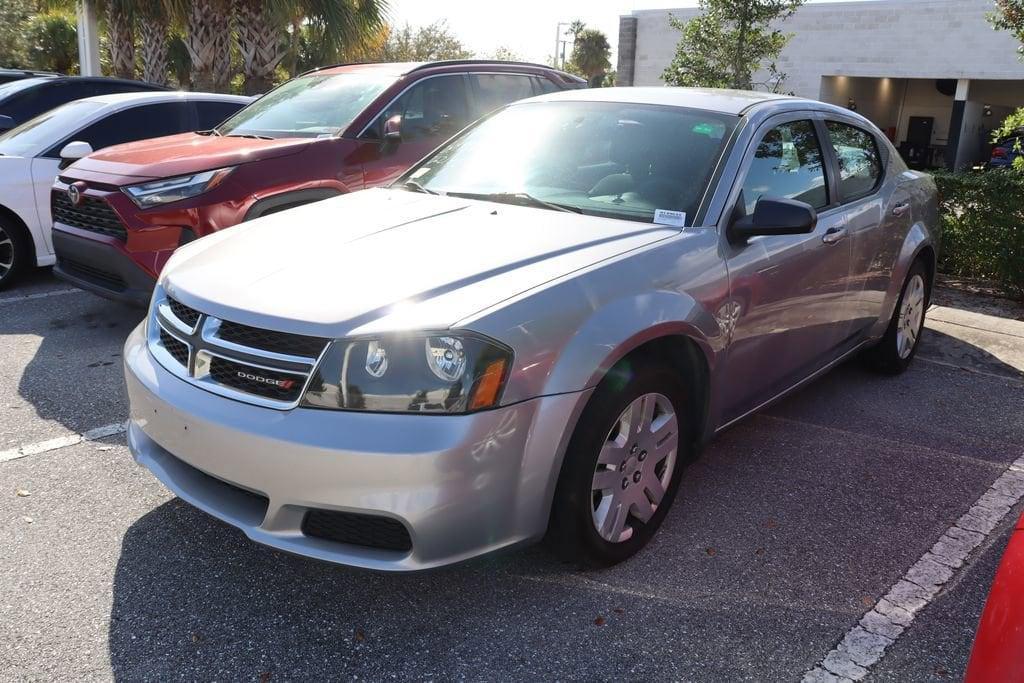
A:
787, 530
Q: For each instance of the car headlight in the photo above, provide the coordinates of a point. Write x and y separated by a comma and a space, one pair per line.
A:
168, 190
425, 373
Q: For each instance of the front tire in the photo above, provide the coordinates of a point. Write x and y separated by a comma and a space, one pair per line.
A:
892, 355
622, 468
14, 252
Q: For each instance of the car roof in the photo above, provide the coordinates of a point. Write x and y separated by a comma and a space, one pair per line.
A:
404, 68
734, 102
106, 79
165, 96
27, 73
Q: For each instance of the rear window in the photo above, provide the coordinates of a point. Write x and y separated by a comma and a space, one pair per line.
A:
496, 90
860, 163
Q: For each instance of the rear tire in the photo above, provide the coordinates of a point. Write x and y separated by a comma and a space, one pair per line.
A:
892, 355
622, 468
15, 252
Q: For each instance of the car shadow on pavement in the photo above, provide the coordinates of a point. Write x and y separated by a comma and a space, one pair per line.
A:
69, 350
973, 350
194, 599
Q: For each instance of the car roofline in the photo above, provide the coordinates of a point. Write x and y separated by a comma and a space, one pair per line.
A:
420, 66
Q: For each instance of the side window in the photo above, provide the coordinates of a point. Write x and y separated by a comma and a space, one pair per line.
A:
210, 114
42, 98
139, 123
860, 164
497, 90
546, 85
435, 107
788, 165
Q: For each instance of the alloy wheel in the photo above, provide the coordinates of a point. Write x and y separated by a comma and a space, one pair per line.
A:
6, 253
908, 326
634, 467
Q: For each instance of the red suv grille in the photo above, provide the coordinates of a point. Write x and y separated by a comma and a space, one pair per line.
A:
91, 214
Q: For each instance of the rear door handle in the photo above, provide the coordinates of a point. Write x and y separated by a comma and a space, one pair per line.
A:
833, 235
900, 209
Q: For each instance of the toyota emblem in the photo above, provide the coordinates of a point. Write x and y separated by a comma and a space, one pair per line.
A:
75, 194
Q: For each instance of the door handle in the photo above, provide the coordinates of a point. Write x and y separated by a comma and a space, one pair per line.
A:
900, 209
833, 235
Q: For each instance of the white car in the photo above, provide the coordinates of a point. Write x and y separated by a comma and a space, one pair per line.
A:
32, 154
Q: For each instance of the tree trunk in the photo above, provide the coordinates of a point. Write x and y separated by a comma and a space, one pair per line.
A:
155, 43
293, 48
260, 42
121, 40
208, 39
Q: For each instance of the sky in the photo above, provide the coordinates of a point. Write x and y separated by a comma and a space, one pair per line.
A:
527, 27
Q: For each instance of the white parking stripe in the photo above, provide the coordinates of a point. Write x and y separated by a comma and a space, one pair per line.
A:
39, 295
63, 441
865, 644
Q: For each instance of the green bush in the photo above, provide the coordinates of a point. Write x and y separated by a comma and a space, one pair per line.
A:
982, 224
52, 40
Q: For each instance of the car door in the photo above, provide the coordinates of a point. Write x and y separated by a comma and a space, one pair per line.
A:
877, 217
126, 125
787, 292
432, 109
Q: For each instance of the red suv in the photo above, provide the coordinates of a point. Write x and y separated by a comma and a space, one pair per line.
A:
325, 133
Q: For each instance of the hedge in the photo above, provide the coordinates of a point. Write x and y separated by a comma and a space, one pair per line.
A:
982, 227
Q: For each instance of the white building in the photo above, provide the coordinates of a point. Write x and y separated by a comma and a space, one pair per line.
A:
933, 74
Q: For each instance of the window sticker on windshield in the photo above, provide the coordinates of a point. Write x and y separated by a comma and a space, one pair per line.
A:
676, 219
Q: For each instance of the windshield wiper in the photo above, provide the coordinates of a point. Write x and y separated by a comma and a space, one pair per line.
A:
519, 198
414, 186
212, 131
252, 136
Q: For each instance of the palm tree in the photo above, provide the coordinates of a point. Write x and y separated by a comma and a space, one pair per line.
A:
121, 36
208, 40
591, 54
262, 28
155, 35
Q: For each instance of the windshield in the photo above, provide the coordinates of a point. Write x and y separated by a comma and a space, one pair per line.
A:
600, 158
311, 106
38, 134
11, 87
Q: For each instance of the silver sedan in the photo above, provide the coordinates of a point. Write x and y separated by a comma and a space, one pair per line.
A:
534, 330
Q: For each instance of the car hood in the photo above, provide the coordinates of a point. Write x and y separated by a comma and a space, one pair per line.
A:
185, 153
388, 260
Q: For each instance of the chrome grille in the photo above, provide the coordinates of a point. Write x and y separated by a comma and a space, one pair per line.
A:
279, 386
177, 349
270, 340
185, 314
265, 367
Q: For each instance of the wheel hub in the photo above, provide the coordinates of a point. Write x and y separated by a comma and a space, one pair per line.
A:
6, 253
911, 316
634, 467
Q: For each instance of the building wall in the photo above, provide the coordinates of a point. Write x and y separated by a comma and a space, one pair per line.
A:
877, 99
925, 39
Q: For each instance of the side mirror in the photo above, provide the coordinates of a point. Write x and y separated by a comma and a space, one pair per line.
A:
73, 151
774, 217
6, 123
393, 129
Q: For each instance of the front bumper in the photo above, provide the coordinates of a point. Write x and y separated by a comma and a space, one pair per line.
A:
100, 265
462, 485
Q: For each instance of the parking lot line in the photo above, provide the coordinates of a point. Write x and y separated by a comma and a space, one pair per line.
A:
40, 295
865, 644
954, 366
63, 441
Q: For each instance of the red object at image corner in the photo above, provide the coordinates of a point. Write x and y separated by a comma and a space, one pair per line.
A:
998, 653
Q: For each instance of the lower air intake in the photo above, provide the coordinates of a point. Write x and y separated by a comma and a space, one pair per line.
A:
370, 531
